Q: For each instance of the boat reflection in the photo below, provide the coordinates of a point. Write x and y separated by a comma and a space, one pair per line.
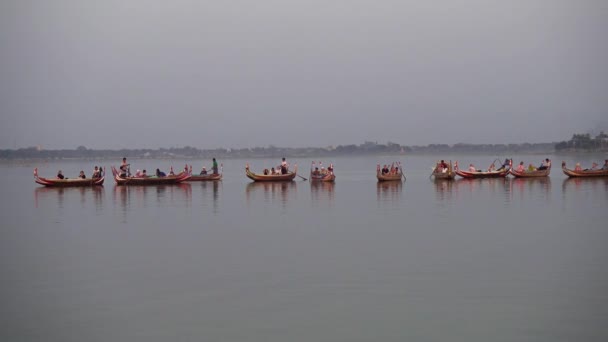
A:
535, 187
68, 196
322, 192
443, 188
211, 189
163, 195
594, 186
492, 186
389, 191
270, 191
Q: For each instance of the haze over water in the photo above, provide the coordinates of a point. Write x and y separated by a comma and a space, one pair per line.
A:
481, 260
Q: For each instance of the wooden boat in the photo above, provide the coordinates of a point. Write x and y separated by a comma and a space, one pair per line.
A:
207, 177
322, 175
500, 173
389, 176
531, 174
584, 173
438, 173
149, 180
271, 178
56, 182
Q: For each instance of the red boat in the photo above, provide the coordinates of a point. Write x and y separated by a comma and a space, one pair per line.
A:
500, 173
56, 182
149, 180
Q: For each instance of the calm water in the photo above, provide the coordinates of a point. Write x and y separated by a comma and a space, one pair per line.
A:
482, 260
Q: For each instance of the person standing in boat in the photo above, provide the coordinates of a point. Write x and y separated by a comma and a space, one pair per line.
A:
284, 166
605, 167
124, 168
214, 167
96, 173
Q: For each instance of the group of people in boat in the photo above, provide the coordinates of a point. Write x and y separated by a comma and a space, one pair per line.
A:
442, 167
393, 170
323, 171
544, 165
281, 169
594, 166
491, 168
97, 173
214, 169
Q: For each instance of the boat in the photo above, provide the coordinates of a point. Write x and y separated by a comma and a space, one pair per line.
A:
289, 176
502, 172
207, 177
149, 180
391, 176
531, 174
56, 182
322, 175
440, 173
584, 173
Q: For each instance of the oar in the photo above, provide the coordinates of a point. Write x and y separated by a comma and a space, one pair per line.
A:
301, 177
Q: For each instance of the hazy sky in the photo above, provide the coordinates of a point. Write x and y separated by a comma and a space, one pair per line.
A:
148, 74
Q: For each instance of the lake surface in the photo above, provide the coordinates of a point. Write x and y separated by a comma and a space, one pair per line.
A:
480, 260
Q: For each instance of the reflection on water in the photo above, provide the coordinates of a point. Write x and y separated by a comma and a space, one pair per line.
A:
65, 196
535, 188
270, 191
322, 193
492, 186
443, 189
163, 195
389, 191
211, 189
596, 186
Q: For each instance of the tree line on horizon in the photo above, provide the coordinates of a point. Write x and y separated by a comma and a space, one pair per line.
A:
366, 148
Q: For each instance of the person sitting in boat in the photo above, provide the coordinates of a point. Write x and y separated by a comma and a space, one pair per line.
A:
443, 167
323, 171
316, 171
545, 164
385, 169
96, 173
203, 171
124, 168
396, 170
272, 171
330, 169
605, 167
504, 165
171, 173
521, 167
159, 173
472, 168
144, 174
60, 175
81, 174
578, 167
266, 172
284, 166
594, 166
138, 173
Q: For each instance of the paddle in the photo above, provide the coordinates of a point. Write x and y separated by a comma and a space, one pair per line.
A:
301, 177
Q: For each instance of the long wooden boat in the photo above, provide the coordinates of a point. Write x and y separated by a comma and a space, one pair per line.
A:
438, 173
56, 182
389, 176
149, 180
271, 178
500, 173
207, 177
584, 173
531, 174
321, 175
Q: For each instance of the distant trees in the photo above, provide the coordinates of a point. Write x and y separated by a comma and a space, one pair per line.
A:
584, 142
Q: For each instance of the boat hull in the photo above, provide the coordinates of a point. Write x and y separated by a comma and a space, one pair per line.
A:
153, 180
530, 174
288, 177
483, 174
583, 173
61, 183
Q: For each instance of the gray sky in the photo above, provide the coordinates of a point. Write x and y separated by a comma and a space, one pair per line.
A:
148, 74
